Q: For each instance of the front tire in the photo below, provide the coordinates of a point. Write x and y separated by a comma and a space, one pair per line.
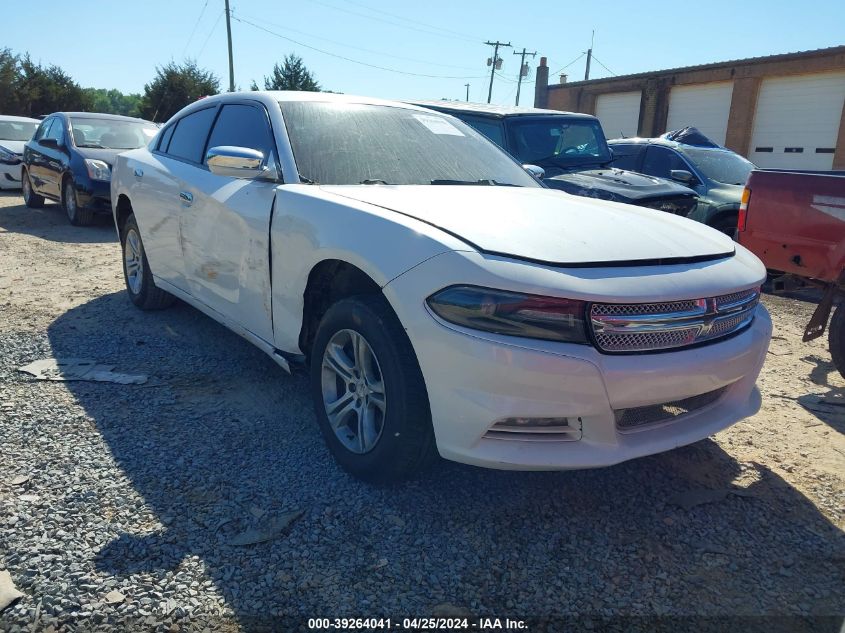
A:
136, 271
78, 216
369, 393
836, 338
31, 199
727, 225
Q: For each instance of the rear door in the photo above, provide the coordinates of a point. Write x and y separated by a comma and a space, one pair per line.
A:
225, 224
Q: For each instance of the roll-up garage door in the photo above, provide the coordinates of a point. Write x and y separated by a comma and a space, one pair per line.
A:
797, 121
705, 106
619, 113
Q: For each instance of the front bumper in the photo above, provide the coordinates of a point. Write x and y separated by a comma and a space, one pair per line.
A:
475, 379
94, 195
10, 176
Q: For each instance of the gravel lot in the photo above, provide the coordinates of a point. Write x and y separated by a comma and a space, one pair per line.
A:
144, 490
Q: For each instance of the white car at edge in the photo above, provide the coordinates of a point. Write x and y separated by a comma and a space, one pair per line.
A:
15, 131
442, 298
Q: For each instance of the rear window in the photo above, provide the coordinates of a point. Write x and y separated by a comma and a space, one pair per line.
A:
188, 140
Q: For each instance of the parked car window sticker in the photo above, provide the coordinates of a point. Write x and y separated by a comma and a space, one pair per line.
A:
438, 125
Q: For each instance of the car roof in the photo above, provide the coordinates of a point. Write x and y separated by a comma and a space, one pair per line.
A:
17, 119
101, 116
498, 111
637, 140
301, 95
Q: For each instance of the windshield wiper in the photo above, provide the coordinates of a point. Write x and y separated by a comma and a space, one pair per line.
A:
93, 145
306, 181
484, 181
373, 181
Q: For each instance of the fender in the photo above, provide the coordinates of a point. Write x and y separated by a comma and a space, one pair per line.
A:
310, 225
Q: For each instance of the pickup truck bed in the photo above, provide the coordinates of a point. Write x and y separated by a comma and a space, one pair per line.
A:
795, 222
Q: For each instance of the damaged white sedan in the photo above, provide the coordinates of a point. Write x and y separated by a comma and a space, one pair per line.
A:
443, 299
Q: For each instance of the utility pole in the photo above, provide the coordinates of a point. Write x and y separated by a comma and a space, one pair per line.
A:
523, 70
229, 37
494, 62
589, 57
467, 85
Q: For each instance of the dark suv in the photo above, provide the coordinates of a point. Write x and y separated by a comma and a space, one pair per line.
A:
70, 156
716, 174
572, 151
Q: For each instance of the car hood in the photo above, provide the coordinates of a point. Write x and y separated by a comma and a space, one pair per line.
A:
16, 147
547, 226
622, 185
105, 155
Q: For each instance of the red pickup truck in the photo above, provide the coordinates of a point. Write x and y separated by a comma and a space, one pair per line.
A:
795, 222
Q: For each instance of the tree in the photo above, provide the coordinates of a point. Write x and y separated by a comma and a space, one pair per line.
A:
8, 81
113, 101
292, 75
42, 90
174, 87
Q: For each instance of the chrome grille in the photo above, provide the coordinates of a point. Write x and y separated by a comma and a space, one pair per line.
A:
648, 327
636, 417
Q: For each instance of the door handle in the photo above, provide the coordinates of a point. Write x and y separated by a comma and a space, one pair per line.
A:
139, 173
186, 197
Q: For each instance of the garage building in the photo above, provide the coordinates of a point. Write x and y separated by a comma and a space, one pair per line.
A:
783, 111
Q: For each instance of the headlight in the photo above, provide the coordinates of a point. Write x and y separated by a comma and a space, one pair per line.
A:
511, 313
97, 169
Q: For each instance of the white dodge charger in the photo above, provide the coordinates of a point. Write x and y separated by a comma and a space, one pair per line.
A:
444, 301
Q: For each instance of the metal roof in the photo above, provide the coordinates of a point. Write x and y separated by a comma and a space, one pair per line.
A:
818, 52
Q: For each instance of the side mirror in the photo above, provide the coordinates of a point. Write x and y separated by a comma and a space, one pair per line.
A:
237, 162
49, 142
538, 172
682, 175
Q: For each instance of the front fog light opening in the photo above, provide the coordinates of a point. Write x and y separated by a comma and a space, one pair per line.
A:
536, 429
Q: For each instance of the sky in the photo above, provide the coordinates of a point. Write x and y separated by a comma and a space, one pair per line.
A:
424, 50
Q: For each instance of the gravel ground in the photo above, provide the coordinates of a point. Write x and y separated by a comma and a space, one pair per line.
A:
136, 496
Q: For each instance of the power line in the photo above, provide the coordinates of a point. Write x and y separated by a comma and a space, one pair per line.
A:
360, 48
569, 64
378, 19
465, 36
194, 30
603, 66
349, 59
213, 28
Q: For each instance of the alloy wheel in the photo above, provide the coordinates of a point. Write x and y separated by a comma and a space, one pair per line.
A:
353, 391
132, 262
70, 200
27, 188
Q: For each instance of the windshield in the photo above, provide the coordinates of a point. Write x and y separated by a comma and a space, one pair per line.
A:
720, 165
558, 141
111, 134
350, 144
17, 130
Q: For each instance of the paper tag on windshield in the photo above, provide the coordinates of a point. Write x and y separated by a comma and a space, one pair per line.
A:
438, 125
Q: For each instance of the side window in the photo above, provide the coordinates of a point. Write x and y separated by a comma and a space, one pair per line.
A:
188, 139
165, 138
243, 126
57, 130
489, 128
43, 129
626, 156
659, 161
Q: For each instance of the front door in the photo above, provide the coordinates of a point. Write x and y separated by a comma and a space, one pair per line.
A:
225, 225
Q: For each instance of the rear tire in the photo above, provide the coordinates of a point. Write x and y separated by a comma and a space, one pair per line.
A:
836, 338
31, 199
383, 433
78, 216
136, 271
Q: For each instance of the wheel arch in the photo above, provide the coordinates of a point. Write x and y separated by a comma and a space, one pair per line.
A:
329, 281
122, 211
